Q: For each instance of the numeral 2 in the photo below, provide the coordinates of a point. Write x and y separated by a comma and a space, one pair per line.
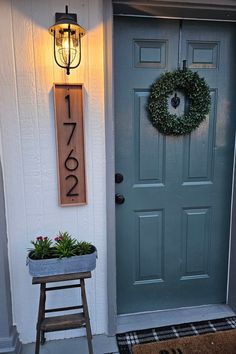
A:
69, 193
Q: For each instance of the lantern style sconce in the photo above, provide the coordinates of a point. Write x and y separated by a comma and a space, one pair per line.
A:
67, 40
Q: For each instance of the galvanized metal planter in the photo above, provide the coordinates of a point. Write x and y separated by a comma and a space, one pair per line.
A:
55, 266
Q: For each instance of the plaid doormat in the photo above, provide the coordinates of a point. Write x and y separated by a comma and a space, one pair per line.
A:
125, 341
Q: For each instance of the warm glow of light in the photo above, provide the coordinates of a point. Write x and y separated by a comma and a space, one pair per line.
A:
64, 50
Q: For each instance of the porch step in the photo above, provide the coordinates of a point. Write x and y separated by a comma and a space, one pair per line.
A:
57, 323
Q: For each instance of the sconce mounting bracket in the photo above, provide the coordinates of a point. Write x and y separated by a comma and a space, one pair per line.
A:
61, 17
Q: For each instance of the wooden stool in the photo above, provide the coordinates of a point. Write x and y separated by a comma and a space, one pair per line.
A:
58, 323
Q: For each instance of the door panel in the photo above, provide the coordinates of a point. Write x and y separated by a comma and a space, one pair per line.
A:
173, 229
196, 243
149, 243
149, 146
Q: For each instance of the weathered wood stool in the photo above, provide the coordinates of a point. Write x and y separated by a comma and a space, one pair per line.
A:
58, 323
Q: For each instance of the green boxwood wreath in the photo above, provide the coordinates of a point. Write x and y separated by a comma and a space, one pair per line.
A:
197, 93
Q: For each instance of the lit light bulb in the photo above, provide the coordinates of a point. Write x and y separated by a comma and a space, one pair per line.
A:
65, 49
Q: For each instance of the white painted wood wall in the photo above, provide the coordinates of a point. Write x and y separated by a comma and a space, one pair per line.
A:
28, 154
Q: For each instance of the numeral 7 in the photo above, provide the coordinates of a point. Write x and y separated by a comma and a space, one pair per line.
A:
72, 132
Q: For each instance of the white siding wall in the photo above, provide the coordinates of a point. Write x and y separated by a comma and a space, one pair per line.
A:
27, 74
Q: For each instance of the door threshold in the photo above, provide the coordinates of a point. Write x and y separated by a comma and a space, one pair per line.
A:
145, 320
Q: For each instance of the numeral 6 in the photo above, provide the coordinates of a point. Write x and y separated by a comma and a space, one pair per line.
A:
70, 160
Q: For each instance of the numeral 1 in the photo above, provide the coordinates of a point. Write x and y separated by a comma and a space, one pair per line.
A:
67, 97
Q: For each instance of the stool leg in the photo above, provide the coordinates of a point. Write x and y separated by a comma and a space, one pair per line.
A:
86, 313
43, 338
40, 317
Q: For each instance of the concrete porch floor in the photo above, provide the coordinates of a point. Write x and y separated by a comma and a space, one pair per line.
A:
102, 344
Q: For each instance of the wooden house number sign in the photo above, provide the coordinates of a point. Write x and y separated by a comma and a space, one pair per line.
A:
68, 100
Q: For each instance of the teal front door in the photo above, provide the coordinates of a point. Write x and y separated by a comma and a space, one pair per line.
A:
174, 223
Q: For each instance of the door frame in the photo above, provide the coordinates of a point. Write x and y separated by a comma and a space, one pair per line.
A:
193, 10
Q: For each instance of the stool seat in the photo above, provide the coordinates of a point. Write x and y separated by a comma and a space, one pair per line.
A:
60, 277
63, 322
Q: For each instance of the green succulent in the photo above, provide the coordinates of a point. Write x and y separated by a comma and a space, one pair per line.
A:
65, 245
84, 247
42, 248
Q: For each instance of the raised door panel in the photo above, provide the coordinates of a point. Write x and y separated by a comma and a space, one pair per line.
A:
149, 144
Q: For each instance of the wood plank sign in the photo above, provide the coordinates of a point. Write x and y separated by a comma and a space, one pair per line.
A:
68, 101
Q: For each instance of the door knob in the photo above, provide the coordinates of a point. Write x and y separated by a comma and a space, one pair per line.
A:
120, 199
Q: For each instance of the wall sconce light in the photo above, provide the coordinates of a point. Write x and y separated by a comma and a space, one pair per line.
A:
67, 40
